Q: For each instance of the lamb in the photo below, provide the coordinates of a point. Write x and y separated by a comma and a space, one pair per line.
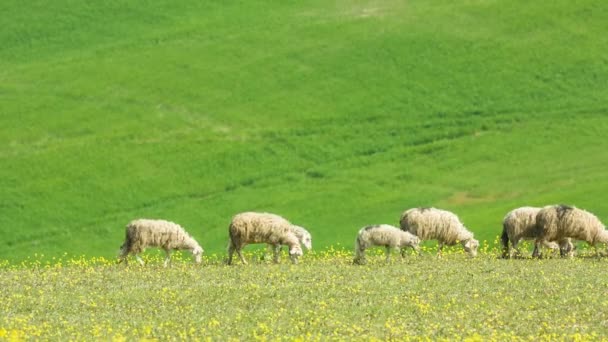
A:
143, 233
444, 226
520, 223
303, 236
383, 235
558, 222
301, 233
252, 227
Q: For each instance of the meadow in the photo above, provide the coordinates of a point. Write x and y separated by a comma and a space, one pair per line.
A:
333, 114
325, 297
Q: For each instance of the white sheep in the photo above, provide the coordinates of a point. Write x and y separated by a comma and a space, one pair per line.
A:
251, 227
440, 225
143, 233
301, 233
383, 235
520, 223
558, 222
303, 236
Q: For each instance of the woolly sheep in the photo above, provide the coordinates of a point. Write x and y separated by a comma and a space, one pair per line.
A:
251, 227
520, 223
143, 233
303, 236
440, 225
558, 222
383, 235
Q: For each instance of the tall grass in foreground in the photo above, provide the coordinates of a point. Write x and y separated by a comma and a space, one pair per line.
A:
324, 297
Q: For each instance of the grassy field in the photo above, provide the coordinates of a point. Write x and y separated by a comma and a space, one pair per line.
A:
333, 114
323, 298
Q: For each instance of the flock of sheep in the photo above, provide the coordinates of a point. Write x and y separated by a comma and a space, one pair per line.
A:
553, 227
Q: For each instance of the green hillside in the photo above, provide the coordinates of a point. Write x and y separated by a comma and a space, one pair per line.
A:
334, 114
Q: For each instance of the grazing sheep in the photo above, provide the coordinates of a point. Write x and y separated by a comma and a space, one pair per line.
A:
440, 225
520, 224
383, 235
303, 236
143, 233
250, 227
558, 222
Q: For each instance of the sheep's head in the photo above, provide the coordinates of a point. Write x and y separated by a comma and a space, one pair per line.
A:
553, 246
294, 252
307, 241
415, 241
470, 246
409, 240
303, 236
197, 252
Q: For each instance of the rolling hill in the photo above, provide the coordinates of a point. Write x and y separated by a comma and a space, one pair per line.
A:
333, 114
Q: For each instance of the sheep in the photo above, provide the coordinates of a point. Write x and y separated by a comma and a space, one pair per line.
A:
142, 233
520, 223
301, 233
303, 236
444, 226
383, 235
558, 222
252, 227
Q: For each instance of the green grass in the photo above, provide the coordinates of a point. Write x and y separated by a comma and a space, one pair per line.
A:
323, 298
333, 114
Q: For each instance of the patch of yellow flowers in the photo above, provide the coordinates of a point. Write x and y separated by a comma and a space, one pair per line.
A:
324, 297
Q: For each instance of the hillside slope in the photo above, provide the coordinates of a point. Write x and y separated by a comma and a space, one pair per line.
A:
335, 115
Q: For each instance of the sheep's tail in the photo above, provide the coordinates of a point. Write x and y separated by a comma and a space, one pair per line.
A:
504, 239
231, 242
123, 252
126, 246
123, 248
233, 232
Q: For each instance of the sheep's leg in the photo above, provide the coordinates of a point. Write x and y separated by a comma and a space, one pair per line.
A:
293, 257
167, 258
538, 245
230, 253
536, 252
440, 250
240, 254
275, 253
359, 255
566, 249
388, 253
597, 251
123, 254
504, 241
124, 258
514, 248
269, 248
569, 247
